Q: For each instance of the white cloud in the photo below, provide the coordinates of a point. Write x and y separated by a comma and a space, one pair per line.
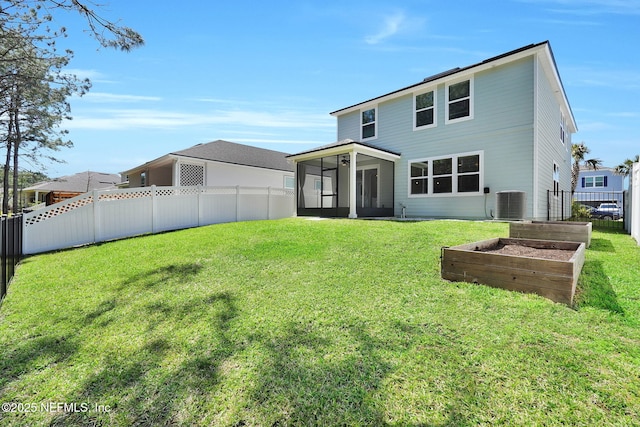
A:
104, 97
591, 7
390, 27
625, 114
119, 119
603, 77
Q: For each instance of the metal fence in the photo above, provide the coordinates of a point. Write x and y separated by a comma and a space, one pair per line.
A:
10, 249
601, 208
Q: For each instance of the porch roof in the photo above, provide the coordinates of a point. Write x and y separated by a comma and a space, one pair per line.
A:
343, 147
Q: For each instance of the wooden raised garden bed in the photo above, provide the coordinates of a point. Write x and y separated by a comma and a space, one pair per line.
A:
544, 267
552, 230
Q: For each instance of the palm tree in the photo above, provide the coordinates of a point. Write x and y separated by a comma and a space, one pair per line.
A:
625, 167
578, 153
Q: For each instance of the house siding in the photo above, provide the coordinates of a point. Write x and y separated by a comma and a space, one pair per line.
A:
501, 128
218, 174
550, 148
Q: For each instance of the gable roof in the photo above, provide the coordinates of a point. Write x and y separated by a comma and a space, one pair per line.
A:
78, 183
238, 154
345, 146
226, 152
548, 63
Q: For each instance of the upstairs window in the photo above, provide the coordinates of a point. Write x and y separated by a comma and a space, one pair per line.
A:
424, 110
594, 181
563, 127
369, 123
459, 101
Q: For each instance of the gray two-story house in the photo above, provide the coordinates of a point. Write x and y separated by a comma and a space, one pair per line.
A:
448, 146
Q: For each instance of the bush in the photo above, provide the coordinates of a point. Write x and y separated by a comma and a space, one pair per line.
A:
579, 210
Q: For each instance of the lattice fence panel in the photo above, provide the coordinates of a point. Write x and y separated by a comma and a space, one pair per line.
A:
58, 209
191, 174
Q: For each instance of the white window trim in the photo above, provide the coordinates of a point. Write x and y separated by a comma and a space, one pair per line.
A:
471, 101
435, 109
593, 179
284, 184
454, 176
556, 170
375, 122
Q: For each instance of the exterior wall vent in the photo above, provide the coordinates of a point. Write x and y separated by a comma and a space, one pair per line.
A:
511, 205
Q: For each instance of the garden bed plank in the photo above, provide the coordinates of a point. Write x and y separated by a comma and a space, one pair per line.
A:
569, 231
551, 278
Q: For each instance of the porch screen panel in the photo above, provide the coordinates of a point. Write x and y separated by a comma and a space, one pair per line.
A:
330, 188
310, 184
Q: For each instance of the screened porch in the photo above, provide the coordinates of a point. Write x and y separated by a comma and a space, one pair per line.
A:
345, 180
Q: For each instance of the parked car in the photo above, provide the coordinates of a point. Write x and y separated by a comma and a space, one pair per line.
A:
608, 211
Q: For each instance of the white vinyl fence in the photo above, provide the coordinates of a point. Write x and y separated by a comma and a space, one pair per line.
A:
113, 214
634, 202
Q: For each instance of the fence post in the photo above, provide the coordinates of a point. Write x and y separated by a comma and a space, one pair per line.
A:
199, 201
97, 233
154, 210
268, 202
3, 248
237, 202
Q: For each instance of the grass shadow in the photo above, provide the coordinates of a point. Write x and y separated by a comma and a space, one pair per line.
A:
304, 382
146, 386
31, 355
602, 245
163, 275
595, 290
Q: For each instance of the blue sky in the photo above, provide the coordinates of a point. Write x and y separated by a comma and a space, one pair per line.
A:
269, 73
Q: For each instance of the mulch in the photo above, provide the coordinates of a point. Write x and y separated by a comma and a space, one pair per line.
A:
527, 251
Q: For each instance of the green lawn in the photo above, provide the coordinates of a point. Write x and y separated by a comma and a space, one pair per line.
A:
300, 322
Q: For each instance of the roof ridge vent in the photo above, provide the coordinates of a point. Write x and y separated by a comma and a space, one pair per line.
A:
442, 74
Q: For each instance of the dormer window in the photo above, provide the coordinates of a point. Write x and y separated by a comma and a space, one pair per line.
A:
369, 123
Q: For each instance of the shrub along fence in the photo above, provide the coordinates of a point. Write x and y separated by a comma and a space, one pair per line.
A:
10, 249
99, 216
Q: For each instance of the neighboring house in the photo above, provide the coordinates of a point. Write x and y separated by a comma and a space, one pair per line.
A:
444, 147
602, 185
217, 163
66, 187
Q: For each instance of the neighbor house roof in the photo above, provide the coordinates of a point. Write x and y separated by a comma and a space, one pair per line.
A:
239, 154
227, 152
78, 183
547, 59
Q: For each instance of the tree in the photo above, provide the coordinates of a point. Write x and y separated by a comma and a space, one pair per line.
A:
34, 101
33, 18
578, 153
33, 88
625, 167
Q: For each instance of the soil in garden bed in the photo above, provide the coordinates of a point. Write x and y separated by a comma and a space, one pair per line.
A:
527, 251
